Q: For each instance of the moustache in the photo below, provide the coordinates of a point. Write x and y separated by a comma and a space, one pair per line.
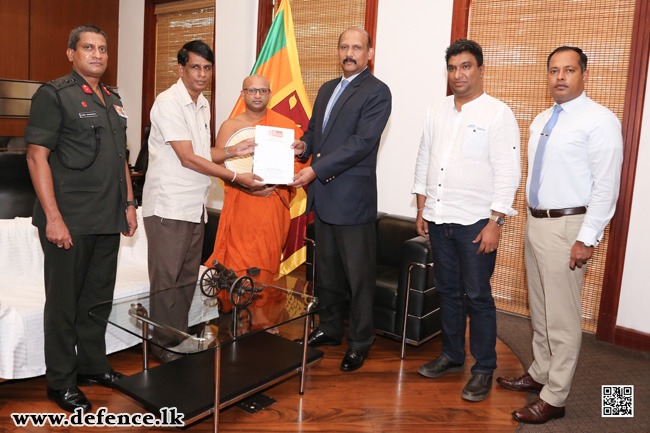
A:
349, 60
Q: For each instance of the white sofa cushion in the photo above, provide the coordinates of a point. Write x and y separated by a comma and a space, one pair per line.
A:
22, 295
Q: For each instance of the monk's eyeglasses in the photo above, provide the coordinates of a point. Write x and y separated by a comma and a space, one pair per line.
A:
252, 91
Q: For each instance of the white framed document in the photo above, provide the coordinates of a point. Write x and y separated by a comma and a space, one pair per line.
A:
273, 158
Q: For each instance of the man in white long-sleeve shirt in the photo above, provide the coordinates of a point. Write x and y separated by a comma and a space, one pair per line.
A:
575, 155
466, 176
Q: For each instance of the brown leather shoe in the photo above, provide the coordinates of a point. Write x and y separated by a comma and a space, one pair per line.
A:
524, 383
538, 412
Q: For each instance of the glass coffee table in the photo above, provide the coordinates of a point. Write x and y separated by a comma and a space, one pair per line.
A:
231, 345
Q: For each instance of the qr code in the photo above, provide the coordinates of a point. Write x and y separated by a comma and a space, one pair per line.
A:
618, 400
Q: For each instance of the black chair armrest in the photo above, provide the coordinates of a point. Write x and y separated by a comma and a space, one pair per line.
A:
416, 250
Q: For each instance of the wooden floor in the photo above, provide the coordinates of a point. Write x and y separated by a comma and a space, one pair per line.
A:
386, 395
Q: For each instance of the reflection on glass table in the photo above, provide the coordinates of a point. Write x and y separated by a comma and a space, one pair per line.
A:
231, 319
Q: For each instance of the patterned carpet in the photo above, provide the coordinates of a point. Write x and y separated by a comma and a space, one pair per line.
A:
600, 364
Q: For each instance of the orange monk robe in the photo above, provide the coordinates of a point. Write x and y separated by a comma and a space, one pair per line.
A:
253, 230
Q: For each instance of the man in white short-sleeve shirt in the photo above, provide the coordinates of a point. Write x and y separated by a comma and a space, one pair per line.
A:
176, 189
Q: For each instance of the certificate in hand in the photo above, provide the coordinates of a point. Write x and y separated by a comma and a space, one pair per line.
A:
273, 158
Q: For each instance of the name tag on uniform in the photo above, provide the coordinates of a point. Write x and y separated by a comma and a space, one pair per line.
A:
120, 111
88, 114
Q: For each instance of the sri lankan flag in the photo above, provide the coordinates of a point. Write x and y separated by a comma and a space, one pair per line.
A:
278, 62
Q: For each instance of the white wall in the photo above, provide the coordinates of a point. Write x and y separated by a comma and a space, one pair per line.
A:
634, 303
411, 38
235, 49
129, 69
411, 41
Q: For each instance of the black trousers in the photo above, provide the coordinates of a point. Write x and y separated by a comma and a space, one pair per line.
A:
75, 280
346, 267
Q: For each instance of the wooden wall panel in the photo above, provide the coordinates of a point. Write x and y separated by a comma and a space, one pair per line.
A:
12, 127
14, 39
51, 22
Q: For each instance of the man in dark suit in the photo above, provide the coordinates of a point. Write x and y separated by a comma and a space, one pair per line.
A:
350, 114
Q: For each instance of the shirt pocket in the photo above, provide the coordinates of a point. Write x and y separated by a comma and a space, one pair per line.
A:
475, 142
79, 143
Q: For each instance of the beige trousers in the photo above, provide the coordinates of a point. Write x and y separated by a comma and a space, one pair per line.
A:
554, 293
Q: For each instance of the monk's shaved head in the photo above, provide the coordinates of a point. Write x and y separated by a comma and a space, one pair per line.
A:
256, 81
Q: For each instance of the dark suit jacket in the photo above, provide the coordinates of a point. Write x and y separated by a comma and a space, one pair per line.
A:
344, 156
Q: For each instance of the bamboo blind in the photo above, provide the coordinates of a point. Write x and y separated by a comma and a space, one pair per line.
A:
178, 23
517, 37
318, 25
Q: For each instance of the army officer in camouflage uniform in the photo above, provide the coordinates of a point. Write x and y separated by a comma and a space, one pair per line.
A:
76, 154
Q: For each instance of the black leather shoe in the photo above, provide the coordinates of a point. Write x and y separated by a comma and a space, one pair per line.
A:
318, 338
104, 379
353, 360
478, 387
439, 367
69, 399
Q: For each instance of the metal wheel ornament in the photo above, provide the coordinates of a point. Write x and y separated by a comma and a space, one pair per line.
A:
242, 291
209, 283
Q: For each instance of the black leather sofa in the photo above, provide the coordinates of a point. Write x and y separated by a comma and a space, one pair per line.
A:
16, 190
398, 246
210, 235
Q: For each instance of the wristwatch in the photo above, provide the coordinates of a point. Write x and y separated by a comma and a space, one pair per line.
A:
498, 219
132, 203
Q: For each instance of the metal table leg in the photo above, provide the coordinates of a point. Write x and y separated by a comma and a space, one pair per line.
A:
313, 273
145, 347
217, 377
138, 311
305, 337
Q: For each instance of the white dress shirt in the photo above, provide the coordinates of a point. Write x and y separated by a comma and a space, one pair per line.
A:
171, 190
469, 162
582, 163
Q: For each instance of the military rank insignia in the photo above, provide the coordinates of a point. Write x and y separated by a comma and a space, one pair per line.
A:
120, 111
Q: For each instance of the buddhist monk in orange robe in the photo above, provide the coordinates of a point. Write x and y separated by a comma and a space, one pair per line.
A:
254, 222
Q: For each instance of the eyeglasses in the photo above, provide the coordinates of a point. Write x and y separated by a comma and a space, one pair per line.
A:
253, 90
